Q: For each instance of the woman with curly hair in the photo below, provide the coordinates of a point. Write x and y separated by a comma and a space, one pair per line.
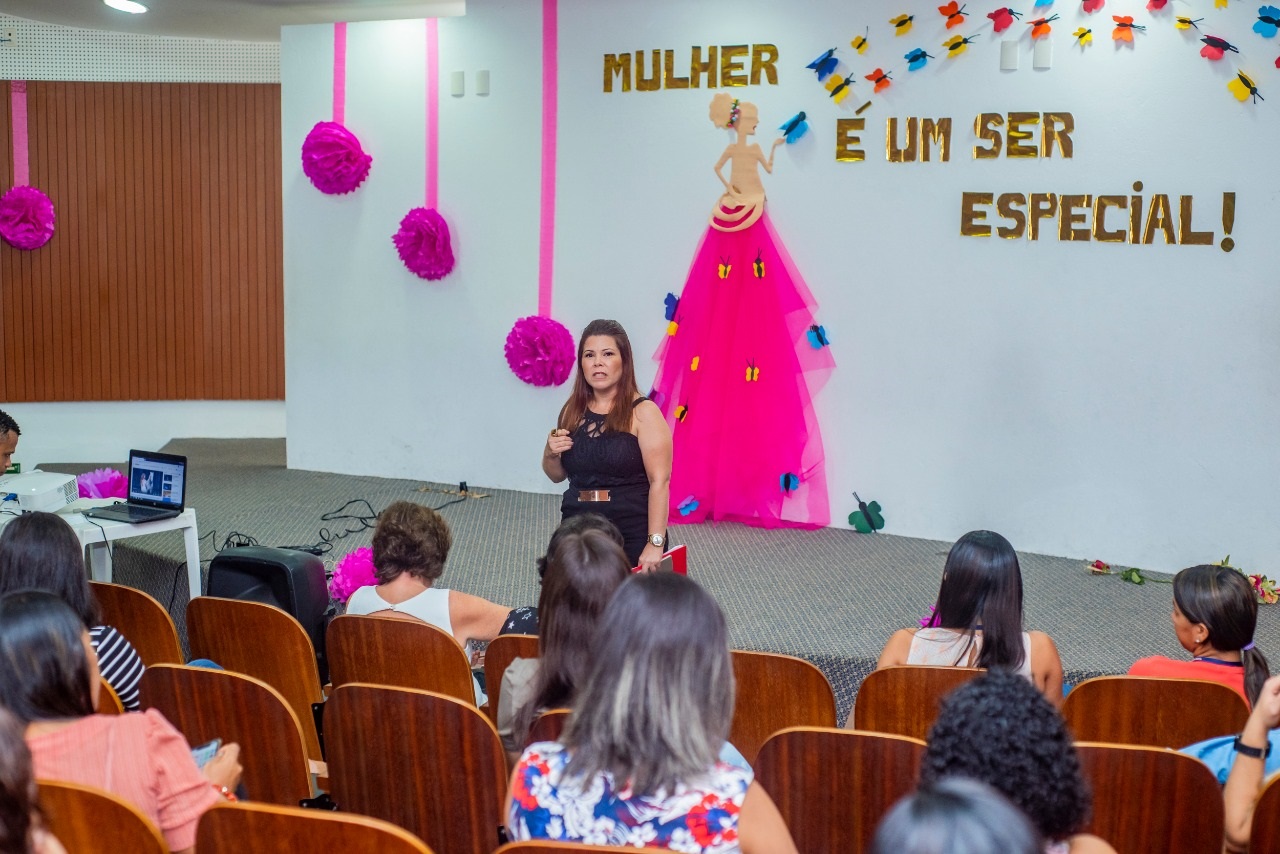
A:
999, 730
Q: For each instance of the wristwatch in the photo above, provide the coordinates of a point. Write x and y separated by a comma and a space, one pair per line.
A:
657, 540
1253, 752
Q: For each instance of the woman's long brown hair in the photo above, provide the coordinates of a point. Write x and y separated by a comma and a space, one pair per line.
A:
619, 417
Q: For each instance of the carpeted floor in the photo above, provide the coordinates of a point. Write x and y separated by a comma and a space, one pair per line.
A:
830, 596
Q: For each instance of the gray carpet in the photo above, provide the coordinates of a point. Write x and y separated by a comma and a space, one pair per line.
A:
830, 596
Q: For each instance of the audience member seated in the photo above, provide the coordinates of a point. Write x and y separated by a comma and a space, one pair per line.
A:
582, 571
999, 730
49, 680
956, 816
39, 551
638, 758
1258, 741
977, 621
21, 828
1215, 612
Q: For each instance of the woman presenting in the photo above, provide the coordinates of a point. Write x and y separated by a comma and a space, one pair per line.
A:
613, 445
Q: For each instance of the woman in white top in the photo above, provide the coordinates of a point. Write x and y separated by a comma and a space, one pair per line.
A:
978, 619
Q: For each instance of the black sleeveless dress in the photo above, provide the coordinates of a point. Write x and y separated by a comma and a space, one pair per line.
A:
609, 460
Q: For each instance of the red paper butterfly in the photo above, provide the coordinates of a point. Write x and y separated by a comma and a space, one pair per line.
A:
954, 13
1215, 47
881, 79
1156, 5
1093, 5
1003, 18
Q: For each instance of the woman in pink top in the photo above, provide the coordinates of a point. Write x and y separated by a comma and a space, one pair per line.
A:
49, 680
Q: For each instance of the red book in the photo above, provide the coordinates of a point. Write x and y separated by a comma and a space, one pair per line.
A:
676, 560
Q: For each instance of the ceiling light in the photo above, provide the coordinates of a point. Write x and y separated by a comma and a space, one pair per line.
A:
126, 6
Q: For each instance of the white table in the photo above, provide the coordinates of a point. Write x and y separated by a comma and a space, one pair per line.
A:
95, 534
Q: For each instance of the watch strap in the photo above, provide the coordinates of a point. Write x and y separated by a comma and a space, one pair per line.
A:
1252, 752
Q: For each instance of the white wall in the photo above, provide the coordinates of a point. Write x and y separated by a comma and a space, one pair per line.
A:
1088, 399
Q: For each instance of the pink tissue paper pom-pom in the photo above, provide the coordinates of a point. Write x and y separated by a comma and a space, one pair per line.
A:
333, 159
103, 483
540, 351
26, 218
423, 243
354, 571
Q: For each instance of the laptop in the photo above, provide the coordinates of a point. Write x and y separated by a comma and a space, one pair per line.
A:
157, 489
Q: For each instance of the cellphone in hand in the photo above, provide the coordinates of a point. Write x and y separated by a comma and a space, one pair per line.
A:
205, 752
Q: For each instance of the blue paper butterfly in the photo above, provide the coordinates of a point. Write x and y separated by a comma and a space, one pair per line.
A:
795, 127
917, 59
672, 301
825, 64
789, 482
817, 336
687, 506
1268, 22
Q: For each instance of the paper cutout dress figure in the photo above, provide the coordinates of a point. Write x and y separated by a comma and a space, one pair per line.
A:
742, 360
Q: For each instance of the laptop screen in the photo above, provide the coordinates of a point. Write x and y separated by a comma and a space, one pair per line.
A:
158, 480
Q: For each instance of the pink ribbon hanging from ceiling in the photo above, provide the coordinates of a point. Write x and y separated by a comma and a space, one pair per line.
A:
21, 156
433, 111
550, 106
340, 72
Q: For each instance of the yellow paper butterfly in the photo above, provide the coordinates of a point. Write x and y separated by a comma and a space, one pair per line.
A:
693, 366
956, 45
724, 267
753, 373
859, 43
758, 267
1219, 4
902, 24
1083, 36
682, 412
1242, 87
839, 86
672, 326
1182, 22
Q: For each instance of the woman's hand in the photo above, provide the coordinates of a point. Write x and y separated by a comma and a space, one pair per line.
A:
224, 768
650, 558
557, 443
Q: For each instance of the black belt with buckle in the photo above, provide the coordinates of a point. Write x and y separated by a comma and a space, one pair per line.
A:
593, 495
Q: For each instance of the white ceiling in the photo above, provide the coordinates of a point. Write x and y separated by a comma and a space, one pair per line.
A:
242, 20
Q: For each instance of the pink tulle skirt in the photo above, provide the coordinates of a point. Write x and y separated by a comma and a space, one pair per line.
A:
741, 362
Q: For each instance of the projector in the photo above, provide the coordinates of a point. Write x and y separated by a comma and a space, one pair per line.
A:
39, 490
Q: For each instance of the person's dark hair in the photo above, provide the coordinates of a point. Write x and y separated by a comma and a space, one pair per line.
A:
8, 425
956, 816
619, 417
656, 707
39, 551
576, 525
584, 570
982, 590
999, 729
44, 671
1223, 599
19, 811
410, 538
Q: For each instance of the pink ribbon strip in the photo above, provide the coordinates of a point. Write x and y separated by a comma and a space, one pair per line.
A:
21, 156
433, 111
340, 72
550, 69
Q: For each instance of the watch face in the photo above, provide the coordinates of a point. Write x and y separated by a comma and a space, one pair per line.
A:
656, 539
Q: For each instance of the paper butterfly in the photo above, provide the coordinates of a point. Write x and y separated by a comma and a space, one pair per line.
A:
902, 24
1278, 62
954, 13
867, 519
682, 412
1182, 22
859, 43
693, 363
839, 87
687, 506
753, 373
1219, 4
1003, 17
1124, 28
757, 266
724, 268
671, 302
789, 482
817, 336
1268, 21
957, 44
1215, 47
825, 64
1242, 87
1043, 3
1040, 26
1156, 5
881, 79
917, 59
794, 127
1093, 5
1083, 36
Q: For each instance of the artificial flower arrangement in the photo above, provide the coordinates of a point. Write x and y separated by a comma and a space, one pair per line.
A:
354, 571
1264, 588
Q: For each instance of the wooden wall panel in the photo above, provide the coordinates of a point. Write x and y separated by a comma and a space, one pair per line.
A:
164, 279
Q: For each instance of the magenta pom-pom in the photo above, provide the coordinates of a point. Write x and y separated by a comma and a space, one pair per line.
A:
26, 218
333, 159
423, 243
103, 483
354, 571
540, 351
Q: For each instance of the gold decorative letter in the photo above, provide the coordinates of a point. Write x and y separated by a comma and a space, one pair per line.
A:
1009, 205
1069, 217
1043, 205
1062, 135
1186, 236
1100, 206
763, 57
971, 218
732, 72
984, 127
847, 137
891, 151
698, 66
648, 84
1018, 137
939, 131
617, 65
669, 78
1158, 217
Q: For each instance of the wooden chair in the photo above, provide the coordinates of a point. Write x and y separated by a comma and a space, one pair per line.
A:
542, 846
92, 821
264, 642
108, 700
269, 829
143, 621
205, 704
833, 786
547, 726
1151, 799
398, 652
431, 764
775, 692
503, 650
904, 700
1264, 834
1156, 712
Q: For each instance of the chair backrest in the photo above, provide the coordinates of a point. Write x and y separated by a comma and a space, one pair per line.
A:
398, 652
833, 786
1156, 712
1265, 833
108, 700
542, 846
547, 726
270, 829
429, 763
904, 700
142, 620
264, 642
205, 704
91, 821
1151, 799
503, 650
776, 692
